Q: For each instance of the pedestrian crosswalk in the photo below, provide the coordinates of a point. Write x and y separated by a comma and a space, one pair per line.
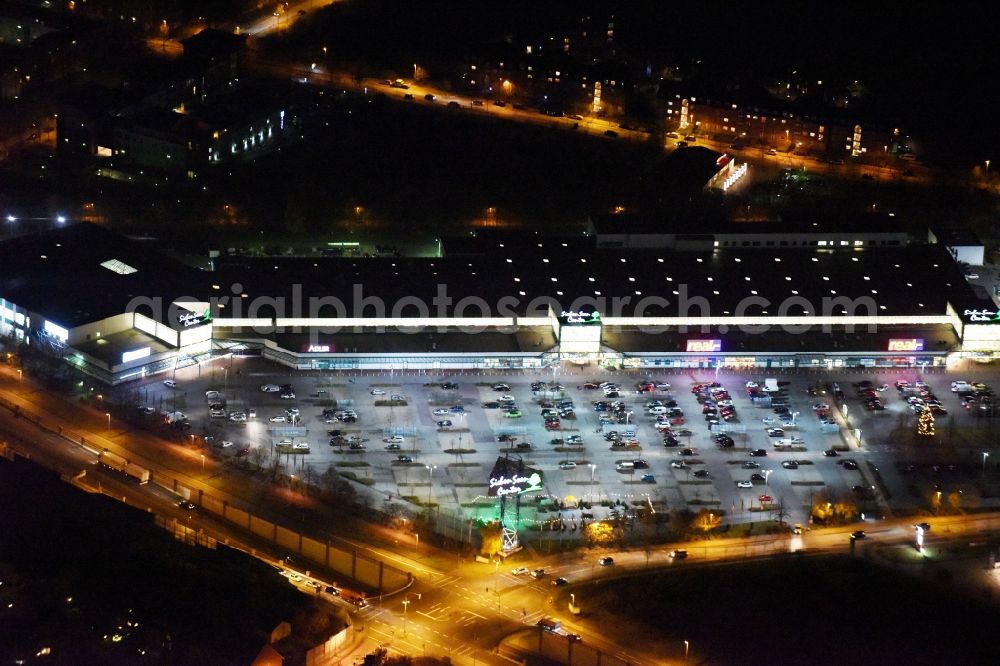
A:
442, 580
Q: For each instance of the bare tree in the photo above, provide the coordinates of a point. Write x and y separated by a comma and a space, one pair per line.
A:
309, 476
780, 511
259, 456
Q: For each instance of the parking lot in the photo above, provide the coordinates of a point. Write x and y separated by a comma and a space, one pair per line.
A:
434, 439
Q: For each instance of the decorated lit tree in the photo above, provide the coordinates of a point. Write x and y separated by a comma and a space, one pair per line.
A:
925, 424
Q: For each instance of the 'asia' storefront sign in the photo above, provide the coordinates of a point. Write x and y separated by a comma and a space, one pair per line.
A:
906, 345
981, 316
703, 346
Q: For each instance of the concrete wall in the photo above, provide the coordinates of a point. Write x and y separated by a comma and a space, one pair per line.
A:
103, 328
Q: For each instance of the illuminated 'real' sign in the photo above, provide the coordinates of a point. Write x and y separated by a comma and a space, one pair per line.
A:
906, 344
703, 346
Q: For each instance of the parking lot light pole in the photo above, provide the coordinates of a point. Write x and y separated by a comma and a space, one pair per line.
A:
767, 474
593, 468
985, 456
430, 481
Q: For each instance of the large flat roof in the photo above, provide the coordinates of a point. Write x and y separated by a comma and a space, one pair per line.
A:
799, 225
913, 281
59, 274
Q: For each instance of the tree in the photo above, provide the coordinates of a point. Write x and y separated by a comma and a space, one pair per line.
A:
706, 521
925, 424
335, 488
780, 511
491, 534
259, 456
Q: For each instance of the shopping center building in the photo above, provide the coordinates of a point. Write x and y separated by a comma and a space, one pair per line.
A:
118, 309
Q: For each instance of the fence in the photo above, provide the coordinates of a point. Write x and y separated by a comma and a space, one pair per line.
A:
343, 559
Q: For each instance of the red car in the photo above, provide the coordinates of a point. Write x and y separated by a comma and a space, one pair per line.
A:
590, 386
677, 420
553, 425
765, 499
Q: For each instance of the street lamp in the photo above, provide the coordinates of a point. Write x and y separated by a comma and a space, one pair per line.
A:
203, 462
767, 474
430, 481
108, 414
593, 467
985, 456
687, 647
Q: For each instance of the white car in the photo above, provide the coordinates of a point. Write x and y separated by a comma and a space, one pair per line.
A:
744, 484
567, 464
442, 412
169, 383
395, 439
507, 398
377, 391
237, 417
277, 419
752, 385
301, 446
677, 464
211, 396
225, 443
767, 420
520, 571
